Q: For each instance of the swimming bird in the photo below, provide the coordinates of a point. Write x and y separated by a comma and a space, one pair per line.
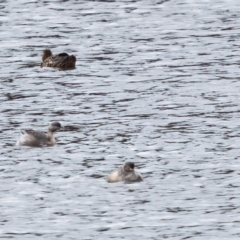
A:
125, 173
62, 60
33, 138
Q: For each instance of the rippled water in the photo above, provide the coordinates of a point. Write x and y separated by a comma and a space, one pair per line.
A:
156, 83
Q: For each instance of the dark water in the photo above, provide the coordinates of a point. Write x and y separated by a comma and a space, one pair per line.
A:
157, 83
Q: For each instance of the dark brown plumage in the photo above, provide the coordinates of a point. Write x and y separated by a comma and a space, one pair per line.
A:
62, 60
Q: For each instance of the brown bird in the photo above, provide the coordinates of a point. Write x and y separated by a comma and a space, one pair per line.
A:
62, 60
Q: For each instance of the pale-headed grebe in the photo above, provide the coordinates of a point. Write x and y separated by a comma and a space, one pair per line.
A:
38, 139
125, 173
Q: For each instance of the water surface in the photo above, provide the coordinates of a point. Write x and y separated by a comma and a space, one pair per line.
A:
156, 83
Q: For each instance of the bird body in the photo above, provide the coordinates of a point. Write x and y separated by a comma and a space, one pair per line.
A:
125, 173
38, 139
62, 60
114, 177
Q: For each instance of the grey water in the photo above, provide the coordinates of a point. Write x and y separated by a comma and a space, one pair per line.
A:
157, 82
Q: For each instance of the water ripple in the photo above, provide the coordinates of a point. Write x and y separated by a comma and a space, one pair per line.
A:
156, 83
